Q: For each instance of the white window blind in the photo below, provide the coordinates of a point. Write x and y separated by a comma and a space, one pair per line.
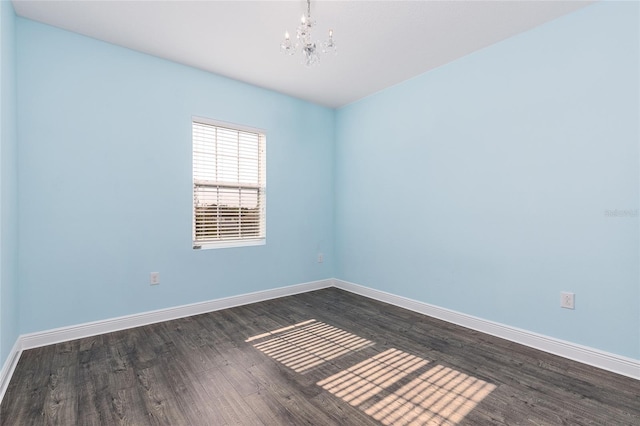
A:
228, 185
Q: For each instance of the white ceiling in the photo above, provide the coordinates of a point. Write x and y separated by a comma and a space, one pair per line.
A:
380, 43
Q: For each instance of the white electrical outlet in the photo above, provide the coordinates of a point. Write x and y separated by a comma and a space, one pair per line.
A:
154, 278
567, 300
320, 257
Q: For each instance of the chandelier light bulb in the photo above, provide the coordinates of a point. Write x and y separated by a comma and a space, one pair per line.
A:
286, 46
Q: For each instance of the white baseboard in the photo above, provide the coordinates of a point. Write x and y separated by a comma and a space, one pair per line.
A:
586, 355
9, 367
64, 334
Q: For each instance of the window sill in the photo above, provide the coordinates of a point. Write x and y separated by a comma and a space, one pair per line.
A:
229, 244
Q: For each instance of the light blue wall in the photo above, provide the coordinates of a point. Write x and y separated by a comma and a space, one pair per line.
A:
482, 186
8, 185
105, 182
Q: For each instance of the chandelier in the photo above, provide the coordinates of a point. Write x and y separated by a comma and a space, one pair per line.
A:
304, 44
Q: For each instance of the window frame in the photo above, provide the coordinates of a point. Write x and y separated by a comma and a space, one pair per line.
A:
261, 186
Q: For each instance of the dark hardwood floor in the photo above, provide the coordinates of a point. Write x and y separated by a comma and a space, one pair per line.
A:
327, 357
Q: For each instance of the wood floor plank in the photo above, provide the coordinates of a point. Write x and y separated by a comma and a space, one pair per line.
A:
27, 406
60, 403
100, 405
185, 390
226, 401
158, 400
301, 360
292, 398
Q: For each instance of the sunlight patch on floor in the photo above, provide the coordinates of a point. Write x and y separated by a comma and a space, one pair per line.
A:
308, 344
383, 387
357, 384
440, 396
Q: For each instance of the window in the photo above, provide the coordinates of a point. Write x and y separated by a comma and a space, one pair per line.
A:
228, 185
